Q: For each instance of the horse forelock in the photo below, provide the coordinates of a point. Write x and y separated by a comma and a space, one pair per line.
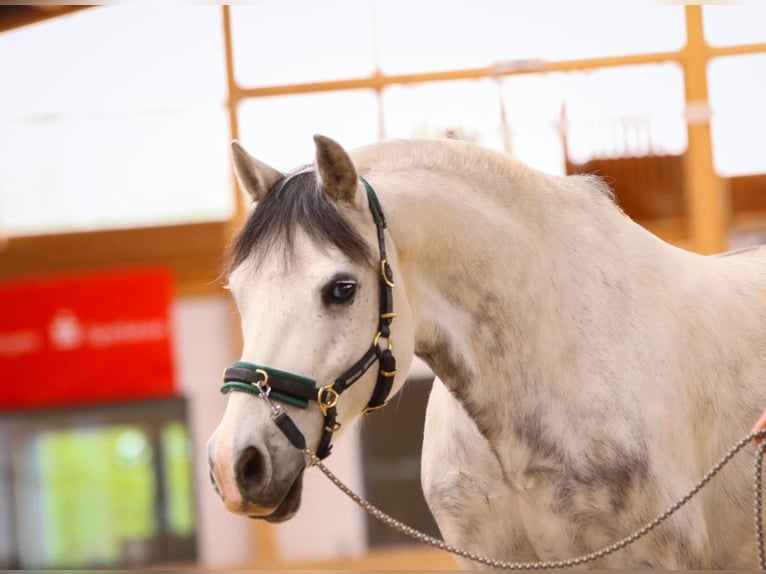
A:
295, 201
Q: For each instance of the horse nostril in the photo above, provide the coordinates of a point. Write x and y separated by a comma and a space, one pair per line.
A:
250, 470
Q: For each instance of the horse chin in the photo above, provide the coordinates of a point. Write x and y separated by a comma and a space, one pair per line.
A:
289, 505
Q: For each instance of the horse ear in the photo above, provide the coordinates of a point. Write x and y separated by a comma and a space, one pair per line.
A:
254, 176
336, 171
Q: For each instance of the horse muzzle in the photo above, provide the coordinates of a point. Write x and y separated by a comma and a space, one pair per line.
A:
252, 482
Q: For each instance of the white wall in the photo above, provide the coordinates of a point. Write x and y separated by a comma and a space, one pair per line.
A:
203, 332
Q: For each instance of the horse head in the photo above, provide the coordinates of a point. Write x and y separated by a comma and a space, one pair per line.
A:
312, 274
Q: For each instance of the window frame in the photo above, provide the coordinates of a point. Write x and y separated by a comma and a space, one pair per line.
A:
194, 252
20, 426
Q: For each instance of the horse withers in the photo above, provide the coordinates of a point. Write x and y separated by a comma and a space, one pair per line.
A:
590, 373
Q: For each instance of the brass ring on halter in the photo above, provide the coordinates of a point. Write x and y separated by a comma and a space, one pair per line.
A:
377, 337
263, 385
383, 266
331, 402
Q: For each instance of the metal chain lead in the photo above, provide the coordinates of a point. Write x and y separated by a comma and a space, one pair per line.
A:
551, 564
757, 501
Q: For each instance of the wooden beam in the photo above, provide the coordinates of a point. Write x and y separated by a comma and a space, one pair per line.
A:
378, 80
708, 205
194, 252
12, 17
740, 50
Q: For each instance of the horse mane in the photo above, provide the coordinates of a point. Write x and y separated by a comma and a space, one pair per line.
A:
463, 157
295, 201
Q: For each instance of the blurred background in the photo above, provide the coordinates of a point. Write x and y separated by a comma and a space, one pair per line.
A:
117, 202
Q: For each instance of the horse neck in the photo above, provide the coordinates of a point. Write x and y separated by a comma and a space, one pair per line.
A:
513, 274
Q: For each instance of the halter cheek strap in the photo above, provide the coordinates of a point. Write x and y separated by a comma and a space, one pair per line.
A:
275, 385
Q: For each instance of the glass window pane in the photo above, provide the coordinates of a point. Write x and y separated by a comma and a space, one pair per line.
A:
734, 24
109, 131
468, 110
610, 112
437, 35
179, 490
122, 170
91, 61
94, 491
737, 91
626, 111
292, 42
532, 106
279, 130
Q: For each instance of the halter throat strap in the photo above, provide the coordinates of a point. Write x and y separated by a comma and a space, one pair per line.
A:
289, 388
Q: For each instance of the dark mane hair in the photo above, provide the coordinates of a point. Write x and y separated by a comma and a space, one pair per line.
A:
295, 201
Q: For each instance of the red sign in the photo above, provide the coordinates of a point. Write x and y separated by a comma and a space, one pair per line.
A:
98, 337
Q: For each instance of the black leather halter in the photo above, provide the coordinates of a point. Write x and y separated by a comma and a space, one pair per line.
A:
299, 391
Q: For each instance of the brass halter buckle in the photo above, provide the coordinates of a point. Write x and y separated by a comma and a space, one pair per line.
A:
377, 337
327, 398
385, 269
263, 385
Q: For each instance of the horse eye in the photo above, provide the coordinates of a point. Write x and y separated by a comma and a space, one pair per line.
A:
340, 292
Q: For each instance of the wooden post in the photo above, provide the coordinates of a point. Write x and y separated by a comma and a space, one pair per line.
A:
708, 203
